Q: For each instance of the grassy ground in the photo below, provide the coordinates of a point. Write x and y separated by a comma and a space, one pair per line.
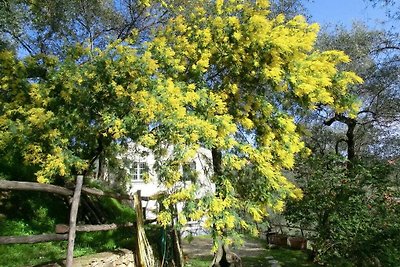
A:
23, 213
34, 254
18, 255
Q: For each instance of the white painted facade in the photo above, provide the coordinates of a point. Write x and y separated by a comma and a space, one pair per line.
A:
137, 155
140, 160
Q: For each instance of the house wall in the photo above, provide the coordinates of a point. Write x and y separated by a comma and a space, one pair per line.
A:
138, 153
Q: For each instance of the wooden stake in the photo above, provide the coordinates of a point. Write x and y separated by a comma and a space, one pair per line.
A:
144, 252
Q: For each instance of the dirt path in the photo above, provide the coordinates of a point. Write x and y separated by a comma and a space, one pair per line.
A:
201, 246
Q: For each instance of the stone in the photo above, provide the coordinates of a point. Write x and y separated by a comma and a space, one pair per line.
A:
119, 258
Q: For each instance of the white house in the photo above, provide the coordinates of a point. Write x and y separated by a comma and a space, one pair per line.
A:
139, 164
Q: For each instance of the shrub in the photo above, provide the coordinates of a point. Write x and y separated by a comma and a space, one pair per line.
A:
354, 211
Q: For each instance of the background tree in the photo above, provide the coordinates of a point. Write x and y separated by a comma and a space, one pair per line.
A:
367, 195
49, 27
290, 8
392, 7
373, 131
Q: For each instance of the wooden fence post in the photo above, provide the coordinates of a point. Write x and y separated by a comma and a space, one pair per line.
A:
72, 220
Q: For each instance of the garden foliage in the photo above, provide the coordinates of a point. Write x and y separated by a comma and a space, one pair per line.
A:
354, 212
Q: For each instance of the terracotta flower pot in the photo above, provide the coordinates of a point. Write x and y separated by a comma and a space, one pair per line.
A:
297, 242
278, 239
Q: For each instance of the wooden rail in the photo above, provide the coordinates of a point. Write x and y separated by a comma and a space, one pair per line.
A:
63, 228
293, 226
33, 186
31, 239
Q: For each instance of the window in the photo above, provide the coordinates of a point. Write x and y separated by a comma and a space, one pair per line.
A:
139, 169
189, 172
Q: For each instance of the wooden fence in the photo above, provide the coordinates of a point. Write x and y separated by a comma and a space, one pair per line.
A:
65, 232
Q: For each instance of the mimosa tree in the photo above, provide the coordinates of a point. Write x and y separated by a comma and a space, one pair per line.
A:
265, 72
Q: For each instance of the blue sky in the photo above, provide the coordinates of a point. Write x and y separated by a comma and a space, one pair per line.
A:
345, 12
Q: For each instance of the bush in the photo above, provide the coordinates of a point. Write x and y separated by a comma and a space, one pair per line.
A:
14, 227
353, 211
40, 212
115, 211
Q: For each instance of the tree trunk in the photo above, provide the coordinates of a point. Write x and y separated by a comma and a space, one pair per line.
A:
178, 255
176, 241
225, 258
33, 186
351, 126
63, 228
217, 161
351, 154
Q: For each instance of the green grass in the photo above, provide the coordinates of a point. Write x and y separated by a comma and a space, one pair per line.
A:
287, 257
17, 255
203, 261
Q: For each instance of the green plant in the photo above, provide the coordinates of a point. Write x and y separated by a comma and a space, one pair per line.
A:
14, 227
18, 255
115, 211
106, 240
352, 211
